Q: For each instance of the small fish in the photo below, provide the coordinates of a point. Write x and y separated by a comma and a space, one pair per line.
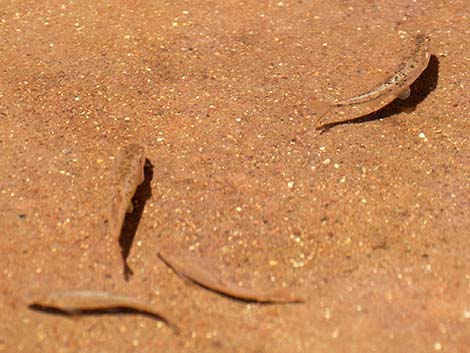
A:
129, 174
86, 302
193, 268
396, 86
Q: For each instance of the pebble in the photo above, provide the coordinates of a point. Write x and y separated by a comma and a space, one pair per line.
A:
327, 314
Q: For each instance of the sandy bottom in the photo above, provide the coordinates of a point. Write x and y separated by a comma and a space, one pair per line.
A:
368, 220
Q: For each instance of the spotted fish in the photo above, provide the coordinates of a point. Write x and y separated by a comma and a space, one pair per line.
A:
128, 174
396, 86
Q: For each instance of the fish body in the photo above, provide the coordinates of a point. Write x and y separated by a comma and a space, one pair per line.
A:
128, 175
396, 86
72, 302
77, 302
195, 269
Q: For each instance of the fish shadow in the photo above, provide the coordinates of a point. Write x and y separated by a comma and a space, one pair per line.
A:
420, 89
117, 310
132, 220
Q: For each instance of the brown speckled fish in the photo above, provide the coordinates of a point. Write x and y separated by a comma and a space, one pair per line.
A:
396, 86
78, 302
195, 269
128, 174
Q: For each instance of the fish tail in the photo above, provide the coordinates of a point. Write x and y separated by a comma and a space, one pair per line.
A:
320, 108
116, 217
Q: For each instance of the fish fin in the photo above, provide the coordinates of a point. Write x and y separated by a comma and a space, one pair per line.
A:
404, 94
319, 107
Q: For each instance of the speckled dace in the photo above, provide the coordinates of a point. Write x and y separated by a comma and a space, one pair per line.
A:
396, 86
128, 175
76, 302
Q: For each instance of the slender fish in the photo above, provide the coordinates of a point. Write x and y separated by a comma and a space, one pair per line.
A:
129, 174
396, 86
193, 268
85, 301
